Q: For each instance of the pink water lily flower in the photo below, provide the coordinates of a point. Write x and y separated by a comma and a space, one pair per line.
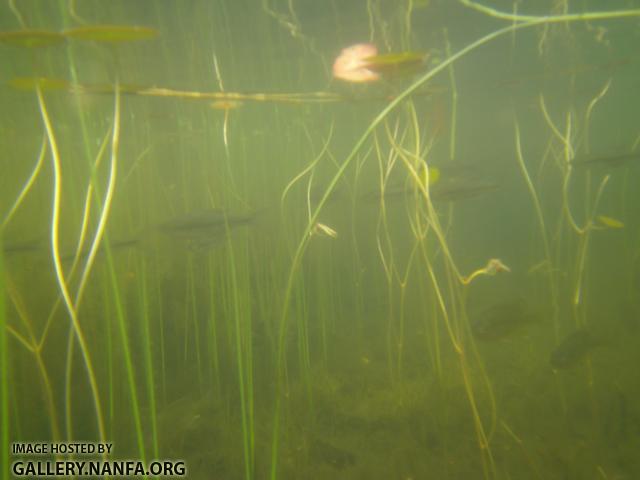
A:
351, 64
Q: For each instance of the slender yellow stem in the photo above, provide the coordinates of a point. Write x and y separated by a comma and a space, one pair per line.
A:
546, 19
87, 211
553, 291
590, 108
55, 249
585, 244
106, 205
309, 167
27, 186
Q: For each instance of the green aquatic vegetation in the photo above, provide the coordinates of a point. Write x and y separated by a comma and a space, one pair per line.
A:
396, 64
60, 276
31, 38
5, 423
43, 83
519, 22
99, 33
111, 33
27, 336
26, 187
151, 382
241, 319
269, 326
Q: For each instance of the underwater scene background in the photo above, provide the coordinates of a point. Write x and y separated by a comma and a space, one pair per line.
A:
221, 247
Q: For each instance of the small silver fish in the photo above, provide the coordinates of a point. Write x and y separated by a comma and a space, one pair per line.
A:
34, 245
614, 160
203, 221
201, 229
442, 191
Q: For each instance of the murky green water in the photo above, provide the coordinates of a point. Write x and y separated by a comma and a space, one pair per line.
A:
215, 252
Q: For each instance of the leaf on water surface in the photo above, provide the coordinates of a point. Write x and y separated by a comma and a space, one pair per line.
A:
111, 33
31, 38
394, 63
45, 83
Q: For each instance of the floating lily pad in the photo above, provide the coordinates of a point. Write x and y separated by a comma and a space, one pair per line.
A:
112, 33
396, 63
45, 83
31, 38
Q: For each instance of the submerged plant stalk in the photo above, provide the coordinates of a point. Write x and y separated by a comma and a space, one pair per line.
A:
64, 289
4, 376
527, 21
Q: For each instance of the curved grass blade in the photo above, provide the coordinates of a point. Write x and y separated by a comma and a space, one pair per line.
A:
4, 378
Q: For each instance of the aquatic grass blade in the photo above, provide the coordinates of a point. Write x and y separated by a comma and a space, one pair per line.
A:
4, 377
31, 38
